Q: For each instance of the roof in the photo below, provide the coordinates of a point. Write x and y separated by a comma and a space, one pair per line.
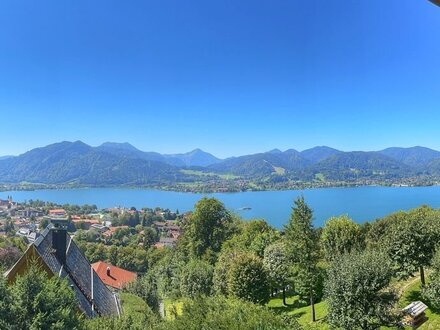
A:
415, 308
94, 298
57, 211
118, 277
94, 221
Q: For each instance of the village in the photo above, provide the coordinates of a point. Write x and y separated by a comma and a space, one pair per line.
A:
109, 227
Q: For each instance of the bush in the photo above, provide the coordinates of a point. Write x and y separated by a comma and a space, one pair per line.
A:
196, 279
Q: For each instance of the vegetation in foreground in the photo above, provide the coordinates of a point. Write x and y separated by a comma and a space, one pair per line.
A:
226, 273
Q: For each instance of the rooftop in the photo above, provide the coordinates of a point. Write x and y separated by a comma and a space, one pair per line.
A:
113, 276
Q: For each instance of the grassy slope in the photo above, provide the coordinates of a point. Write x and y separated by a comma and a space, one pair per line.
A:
411, 293
303, 313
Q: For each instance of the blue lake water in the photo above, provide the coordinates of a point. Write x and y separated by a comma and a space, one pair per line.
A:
362, 203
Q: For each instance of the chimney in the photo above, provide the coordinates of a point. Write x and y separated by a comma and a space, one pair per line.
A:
108, 270
59, 239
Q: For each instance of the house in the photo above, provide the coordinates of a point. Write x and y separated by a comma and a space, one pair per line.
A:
58, 255
85, 223
109, 233
30, 234
99, 228
61, 213
169, 242
112, 276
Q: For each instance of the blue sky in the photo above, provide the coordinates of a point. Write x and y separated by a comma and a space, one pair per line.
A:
230, 77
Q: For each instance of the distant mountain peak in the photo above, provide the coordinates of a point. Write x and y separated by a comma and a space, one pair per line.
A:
274, 151
319, 153
119, 145
196, 157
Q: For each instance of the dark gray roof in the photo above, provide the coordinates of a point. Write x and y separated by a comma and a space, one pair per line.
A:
87, 285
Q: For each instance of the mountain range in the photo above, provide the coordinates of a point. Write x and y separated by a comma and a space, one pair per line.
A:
76, 163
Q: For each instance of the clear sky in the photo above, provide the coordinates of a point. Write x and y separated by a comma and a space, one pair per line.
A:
231, 77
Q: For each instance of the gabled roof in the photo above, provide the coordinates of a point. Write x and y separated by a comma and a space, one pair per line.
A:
94, 298
118, 277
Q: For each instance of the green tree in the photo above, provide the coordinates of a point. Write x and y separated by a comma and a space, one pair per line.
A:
341, 235
247, 279
220, 278
137, 316
6, 318
208, 227
196, 279
277, 264
432, 291
39, 302
150, 237
253, 236
410, 242
215, 313
302, 243
356, 291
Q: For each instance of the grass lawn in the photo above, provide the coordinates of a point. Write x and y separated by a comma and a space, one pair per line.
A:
304, 313
412, 293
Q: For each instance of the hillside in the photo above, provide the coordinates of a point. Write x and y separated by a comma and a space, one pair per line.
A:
415, 156
76, 163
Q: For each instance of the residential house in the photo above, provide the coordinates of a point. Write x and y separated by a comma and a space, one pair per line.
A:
58, 213
114, 277
58, 255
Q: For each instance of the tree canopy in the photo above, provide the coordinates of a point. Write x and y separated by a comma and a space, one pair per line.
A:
356, 291
339, 236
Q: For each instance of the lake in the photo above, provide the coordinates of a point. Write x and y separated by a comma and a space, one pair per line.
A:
362, 203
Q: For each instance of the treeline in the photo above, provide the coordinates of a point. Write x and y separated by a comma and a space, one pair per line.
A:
349, 265
224, 270
71, 209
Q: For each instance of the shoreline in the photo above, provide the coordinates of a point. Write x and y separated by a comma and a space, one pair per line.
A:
305, 186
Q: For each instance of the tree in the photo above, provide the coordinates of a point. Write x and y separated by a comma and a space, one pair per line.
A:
36, 302
212, 313
356, 291
196, 279
432, 291
150, 237
6, 318
167, 275
277, 264
253, 236
341, 235
208, 228
247, 279
9, 256
220, 277
146, 288
410, 242
137, 316
302, 243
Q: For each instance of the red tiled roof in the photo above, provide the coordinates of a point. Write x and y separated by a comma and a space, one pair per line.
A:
118, 276
91, 221
57, 211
